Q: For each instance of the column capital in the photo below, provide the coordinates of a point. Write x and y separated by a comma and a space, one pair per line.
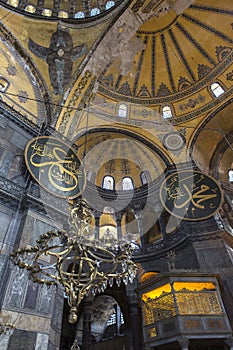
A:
97, 213
118, 216
139, 214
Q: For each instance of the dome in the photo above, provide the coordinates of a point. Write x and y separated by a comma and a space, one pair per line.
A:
78, 11
172, 57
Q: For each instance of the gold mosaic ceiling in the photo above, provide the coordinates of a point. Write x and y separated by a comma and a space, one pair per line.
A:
181, 54
152, 55
148, 54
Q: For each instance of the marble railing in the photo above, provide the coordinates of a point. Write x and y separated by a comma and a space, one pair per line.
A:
10, 188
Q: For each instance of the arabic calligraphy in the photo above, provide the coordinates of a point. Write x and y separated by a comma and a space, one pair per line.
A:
190, 195
55, 166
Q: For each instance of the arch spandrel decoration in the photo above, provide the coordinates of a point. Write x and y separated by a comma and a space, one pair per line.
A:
23, 86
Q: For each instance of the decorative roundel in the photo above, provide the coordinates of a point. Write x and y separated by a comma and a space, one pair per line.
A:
191, 195
174, 141
55, 166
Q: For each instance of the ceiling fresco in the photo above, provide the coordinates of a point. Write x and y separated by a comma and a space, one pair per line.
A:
22, 85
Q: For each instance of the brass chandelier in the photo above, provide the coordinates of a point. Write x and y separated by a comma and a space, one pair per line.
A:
72, 258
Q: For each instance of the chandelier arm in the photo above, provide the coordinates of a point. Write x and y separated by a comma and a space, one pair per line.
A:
82, 265
59, 254
94, 254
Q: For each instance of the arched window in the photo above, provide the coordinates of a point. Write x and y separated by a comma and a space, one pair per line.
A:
127, 184
122, 110
230, 175
95, 11
109, 4
14, 3
145, 177
4, 84
217, 89
79, 14
108, 182
47, 12
62, 14
30, 8
113, 318
167, 112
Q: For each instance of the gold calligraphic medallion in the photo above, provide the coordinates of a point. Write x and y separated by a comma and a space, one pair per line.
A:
55, 166
191, 195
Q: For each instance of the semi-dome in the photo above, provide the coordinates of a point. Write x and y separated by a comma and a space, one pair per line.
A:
119, 155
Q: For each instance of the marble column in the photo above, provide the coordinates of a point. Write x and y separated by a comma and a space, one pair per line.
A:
229, 343
162, 227
228, 209
135, 322
87, 312
4, 341
42, 341
118, 217
139, 217
118, 319
97, 224
184, 343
